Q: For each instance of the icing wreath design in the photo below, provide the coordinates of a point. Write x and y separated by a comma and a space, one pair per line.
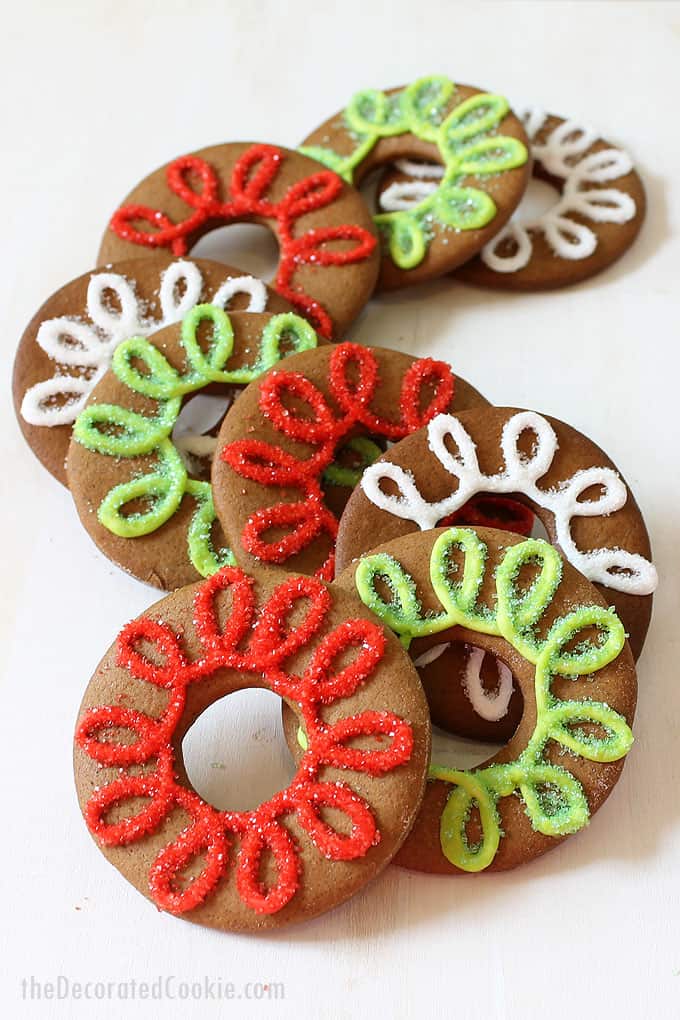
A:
467, 145
615, 568
251, 178
120, 432
553, 798
89, 346
563, 154
324, 430
271, 641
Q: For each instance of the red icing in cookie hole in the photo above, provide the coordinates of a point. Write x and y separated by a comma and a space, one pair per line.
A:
491, 511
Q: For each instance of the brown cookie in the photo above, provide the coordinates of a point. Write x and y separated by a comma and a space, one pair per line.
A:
350, 805
473, 135
68, 344
541, 462
310, 429
141, 490
529, 608
328, 252
597, 213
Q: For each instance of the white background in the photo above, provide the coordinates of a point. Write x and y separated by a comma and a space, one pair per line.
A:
94, 96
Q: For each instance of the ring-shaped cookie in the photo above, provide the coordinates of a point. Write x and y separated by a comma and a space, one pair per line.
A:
519, 600
328, 252
571, 485
138, 492
68, 344
475, 137
302, 431
347, 810
597, 214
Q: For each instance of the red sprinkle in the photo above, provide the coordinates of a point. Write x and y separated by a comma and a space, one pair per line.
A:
324, 430
251, 179
211, 833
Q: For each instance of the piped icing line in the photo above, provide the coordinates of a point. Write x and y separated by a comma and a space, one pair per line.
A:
468, 144
326, 428
563, 154
247, 195
514, 617
616, 568
88, 346
116, 431
237, 840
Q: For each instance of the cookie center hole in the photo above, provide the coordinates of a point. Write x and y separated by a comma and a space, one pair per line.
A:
250, 246
235, 755
538, 199
488, 703
195, 432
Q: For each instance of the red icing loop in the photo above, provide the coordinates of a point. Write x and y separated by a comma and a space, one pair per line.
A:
363, 835
276, 634
251, 889
354, 378
251, 179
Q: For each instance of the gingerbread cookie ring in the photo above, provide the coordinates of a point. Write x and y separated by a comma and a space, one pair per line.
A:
596, 217
287, 859
520, 601
291, 436
542, 462
475, 137
137, 488
68, 344
329, 254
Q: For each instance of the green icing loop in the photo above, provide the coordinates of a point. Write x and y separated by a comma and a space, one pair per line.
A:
119, 432
466, 142
553, 798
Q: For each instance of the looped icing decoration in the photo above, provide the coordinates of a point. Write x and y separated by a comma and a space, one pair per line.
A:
251, 179
324, 429
468, 146
553, 798
563, 154
88, 346
210, 833
616, 568
116, 431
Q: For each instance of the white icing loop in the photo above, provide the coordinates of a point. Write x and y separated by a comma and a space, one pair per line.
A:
489, 705
515, 233
423, 171
73, 343
615, 568
174, 306
563, 154
255, 289
402, 195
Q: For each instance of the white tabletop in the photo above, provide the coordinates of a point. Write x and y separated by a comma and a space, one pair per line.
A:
94, 96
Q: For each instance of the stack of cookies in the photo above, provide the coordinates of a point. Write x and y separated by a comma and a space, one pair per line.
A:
352, 529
